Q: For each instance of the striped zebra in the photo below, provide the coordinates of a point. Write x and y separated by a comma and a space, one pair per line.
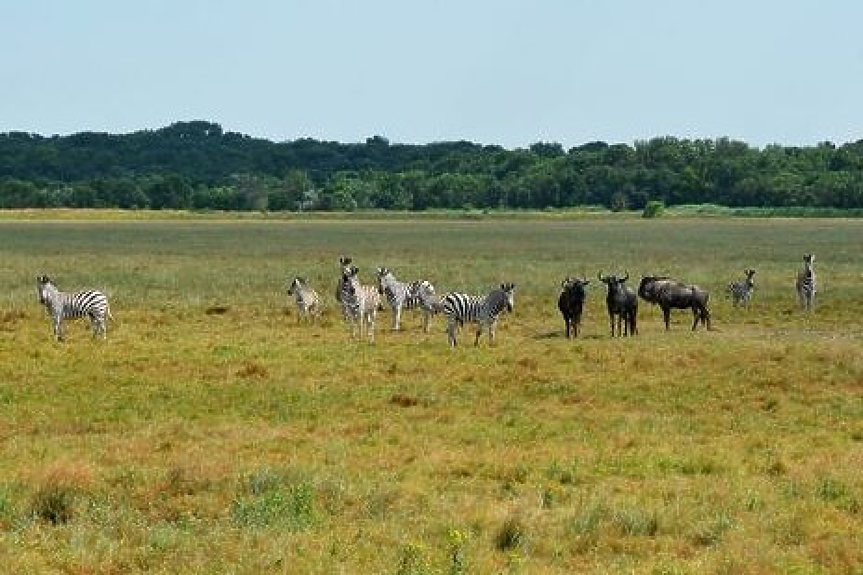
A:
403, 295
308, 302
741, 291
483, 311
61, 305
806, 286
359, 302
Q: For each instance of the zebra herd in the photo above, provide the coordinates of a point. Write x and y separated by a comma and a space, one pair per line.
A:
360, 302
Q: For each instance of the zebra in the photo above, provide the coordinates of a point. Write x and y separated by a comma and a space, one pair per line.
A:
359, 302
403, 295
459, 308
741, 291
308, 302
806, 286
61, 305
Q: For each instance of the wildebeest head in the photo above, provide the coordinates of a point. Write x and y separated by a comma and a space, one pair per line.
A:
650, 286
613, 282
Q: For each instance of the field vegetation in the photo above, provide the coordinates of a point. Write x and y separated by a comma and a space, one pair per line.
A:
212, 433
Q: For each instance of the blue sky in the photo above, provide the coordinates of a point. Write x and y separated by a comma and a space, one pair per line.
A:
501, 72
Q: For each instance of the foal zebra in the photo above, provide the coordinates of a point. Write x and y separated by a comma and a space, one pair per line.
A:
359, 302
460, 308
806, 283
403, 295
741, 291
62, 305
308, 302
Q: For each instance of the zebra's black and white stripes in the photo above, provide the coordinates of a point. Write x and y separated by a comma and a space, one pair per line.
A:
741, 291
308, 301
483, 311
359, 302
806, 286
62, 305
404, 295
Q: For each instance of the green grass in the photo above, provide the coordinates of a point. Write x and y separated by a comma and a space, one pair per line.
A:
241, 442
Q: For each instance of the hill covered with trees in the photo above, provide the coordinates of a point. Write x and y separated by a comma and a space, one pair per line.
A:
198, 165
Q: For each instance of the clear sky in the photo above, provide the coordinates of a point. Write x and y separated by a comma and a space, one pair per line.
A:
507, 72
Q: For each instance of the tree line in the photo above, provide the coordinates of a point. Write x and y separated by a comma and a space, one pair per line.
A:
197, 165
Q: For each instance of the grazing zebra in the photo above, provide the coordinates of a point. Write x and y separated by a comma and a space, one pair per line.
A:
403, 295
460, 308
359, 302
308, 302
741, 291
806, 286
62, 305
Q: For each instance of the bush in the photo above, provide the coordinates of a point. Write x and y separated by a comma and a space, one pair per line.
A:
653, 209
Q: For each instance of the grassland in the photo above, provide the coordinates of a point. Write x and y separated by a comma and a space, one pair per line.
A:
241, 442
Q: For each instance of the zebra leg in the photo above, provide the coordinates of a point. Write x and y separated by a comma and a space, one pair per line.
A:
58, 328
426, 321
478, 333
397, 317
451, 331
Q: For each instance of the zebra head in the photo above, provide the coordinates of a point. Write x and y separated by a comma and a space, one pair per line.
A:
295, 285
384, 276
508, 290
350, 274
749, 273
44, 287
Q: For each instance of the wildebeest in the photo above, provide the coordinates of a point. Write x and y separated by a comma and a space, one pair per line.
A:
571, 302
671, 294
622, 304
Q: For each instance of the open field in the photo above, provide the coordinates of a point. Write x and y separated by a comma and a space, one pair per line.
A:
241, 442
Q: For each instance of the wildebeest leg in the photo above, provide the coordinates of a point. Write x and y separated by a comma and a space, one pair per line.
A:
666, 314
566, 321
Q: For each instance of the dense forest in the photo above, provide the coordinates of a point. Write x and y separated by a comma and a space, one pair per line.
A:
197, 165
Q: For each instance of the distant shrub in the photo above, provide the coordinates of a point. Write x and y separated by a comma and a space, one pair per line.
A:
653, 209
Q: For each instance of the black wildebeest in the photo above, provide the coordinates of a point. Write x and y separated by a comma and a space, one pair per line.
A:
571, 302
622, 304
668, 293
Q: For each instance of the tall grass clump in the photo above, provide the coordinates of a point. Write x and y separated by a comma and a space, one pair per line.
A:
270, 501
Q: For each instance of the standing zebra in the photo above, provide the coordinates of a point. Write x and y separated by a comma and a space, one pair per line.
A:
403, 295
460, 308
359, 302
308, 302
62, 305
741, 291
806, 283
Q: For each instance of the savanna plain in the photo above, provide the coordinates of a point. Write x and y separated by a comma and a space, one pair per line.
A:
211, 432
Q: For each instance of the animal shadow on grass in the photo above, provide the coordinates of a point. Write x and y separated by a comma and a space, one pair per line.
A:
543, 335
